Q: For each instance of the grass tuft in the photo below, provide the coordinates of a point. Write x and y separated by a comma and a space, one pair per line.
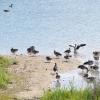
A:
4, 76
72, 94
6, 97
64, 94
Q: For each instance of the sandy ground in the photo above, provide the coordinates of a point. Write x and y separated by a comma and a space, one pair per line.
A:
32, 75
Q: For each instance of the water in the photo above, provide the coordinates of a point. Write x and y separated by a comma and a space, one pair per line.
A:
49, 25
75, 79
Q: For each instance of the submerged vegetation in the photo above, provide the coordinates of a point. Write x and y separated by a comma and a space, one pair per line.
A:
4, 76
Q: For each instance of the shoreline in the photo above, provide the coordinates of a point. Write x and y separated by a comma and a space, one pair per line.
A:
31, 76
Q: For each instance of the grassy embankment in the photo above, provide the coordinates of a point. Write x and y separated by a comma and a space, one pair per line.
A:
4, 76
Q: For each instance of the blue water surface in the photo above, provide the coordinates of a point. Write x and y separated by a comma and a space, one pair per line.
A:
49, 25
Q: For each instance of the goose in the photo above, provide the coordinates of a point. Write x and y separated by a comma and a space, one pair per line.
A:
95, 67
6, 10
91, 78
89, 62
85, 75
57, 76
96, 53
58, 84
77, 47
55, 68
83, 68
67, 51
30, 49
57, 54
48, 58
13, 50
67, 57
11, 5
35, 51
80, 45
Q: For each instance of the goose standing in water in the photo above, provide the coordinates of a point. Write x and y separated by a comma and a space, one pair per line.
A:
89, 78
89, 63
95, 67
83, 68
6, 10
57, 76
58, 84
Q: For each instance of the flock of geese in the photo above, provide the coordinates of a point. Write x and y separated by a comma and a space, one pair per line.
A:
87, 66
32, 51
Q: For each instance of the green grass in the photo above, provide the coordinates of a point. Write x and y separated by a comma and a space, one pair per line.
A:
6, 97
4, 76
96, 91
4, 62
73, 94
65, 94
